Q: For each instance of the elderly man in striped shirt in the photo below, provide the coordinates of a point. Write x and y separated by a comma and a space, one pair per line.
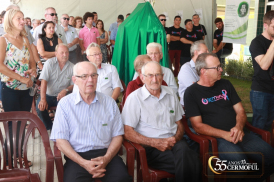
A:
88, 129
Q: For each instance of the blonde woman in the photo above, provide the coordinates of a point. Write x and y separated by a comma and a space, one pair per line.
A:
16, 65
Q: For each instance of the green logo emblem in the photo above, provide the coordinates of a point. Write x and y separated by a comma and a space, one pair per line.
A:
105, 124
171, 111
243, 9
106, 78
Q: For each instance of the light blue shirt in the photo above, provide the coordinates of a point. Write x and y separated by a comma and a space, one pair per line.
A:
186, 77
113, 26
87, 127
113, 35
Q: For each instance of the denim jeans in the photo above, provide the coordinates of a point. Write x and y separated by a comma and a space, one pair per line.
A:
250, 143
44, 115
263, 109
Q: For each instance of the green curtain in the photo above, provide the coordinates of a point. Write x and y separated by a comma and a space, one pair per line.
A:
139, 29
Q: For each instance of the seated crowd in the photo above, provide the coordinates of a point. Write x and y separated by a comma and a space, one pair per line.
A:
88, 127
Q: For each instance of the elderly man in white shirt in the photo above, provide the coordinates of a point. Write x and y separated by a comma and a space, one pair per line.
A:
154, 51
151, 116
108, 80
188, 74
56, 82
50, 15
72, 38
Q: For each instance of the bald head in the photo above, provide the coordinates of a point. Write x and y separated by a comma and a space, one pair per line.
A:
151, 65
77, 67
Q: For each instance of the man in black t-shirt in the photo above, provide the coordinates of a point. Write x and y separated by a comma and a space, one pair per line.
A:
175, 45
262, 88
215, 109
187, 38
162, 19
198, 27
221, 49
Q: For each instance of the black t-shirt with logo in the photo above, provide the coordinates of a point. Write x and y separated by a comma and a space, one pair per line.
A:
200, 29
175, 45
192, 36
218, 34
263, 80
214, 104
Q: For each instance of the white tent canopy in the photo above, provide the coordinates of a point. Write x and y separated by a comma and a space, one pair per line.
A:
108, 10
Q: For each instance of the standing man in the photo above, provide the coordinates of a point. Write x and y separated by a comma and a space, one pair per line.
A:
187, 38
35, 23
108, 79
72, 38
188, 74
56, 82
221, 49
162, 19
175, 45
114, 25
262, 88
88, 130
50, 15
88, 34
71, 21
198, 27
95, 19
114, 31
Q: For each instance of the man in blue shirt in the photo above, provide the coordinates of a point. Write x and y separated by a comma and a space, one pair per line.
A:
88, 129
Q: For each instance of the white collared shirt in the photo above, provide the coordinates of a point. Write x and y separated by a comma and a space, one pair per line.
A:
71, 34
168, 78
186, 77
151, 116
60, 32
108, 80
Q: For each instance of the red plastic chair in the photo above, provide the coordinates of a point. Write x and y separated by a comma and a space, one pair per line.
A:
20, 173
148, 174
129, 161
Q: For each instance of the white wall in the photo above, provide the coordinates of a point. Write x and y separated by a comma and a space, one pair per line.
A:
108, 10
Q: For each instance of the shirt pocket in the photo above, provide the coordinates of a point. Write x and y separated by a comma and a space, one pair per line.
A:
104, 133
171, 116
107, 80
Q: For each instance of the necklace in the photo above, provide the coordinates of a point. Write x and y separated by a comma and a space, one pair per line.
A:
50, 39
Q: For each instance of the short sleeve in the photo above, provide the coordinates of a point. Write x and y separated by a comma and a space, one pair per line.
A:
131, 113
46, 71
117, 127
256, 48
113, 35
233, 95
179, 112
115, 79
215, 33
97, 33
183, 34
191, 106
60, 128
75, 34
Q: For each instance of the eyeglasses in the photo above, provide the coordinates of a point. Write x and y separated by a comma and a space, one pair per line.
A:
217, 68
85, 76
153, 53
158, 75
65, 18
94, 55
52, 14
162, 19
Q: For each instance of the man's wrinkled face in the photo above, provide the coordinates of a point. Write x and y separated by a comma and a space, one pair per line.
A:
95, 55
215, 72
154, 53
49, 17
62, 54
65, 20
153, 77
196, 19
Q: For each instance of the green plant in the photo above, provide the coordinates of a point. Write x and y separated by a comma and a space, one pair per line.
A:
240, 69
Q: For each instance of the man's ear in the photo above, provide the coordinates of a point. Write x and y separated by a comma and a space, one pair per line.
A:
142, 77
74, 79
55, 53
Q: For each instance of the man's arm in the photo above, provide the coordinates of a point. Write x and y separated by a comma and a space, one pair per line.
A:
43, 102
98, 40
185, 41
81, 44
112, 42
215, 43
92, 166
237, 132
180, 131
75, 41
174, 38
116, 93
168, 38
265, 60
63, 93
205, 129
162, 144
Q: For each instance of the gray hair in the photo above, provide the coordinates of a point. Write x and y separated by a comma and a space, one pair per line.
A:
150, 62
75, 67
46, 10
139, 61
201, 61
155, 44
196, 46
59, 45
93, 44
195, 15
